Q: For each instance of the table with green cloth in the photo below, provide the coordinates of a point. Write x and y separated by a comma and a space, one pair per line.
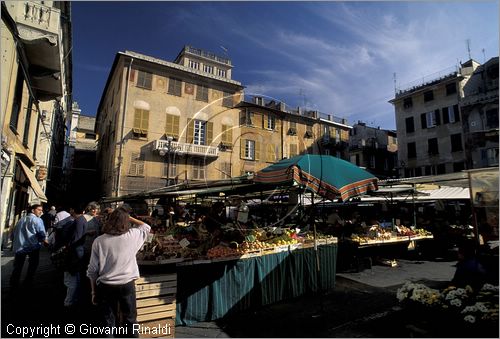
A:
206, 292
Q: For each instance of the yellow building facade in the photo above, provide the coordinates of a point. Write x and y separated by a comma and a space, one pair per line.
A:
161, 123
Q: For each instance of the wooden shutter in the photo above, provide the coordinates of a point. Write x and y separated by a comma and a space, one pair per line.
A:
257, 150
456, 112
210, 132
132, 170
132, 75
437, 117
242, 148
293, 150
190, 132
227, 134
423, 120
137, 118
172, 126
446, 117
270, 155
145, 121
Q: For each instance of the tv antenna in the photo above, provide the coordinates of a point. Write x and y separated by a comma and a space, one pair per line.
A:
468, 47
484, 56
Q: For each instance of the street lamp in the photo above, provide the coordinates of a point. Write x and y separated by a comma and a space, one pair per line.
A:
166, 151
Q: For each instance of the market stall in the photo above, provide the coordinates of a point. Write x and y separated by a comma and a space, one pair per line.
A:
227, 257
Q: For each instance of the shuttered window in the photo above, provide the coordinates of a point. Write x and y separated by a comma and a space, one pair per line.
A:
227, 135
144, 80
227, 100
271, 122
225, 170
169, 167
270, 153
293, 150
199, 169
141, 123
249, 149
174, 86
136, 167
172, 126
202, 93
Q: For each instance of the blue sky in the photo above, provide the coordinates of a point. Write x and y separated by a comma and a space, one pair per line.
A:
336, 57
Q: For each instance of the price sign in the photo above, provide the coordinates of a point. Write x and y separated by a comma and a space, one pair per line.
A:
184, 242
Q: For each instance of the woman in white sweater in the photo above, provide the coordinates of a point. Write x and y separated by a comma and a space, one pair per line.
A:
113, 269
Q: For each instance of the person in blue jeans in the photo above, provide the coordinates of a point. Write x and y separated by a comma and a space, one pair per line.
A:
28, 235
76, 246
113, 269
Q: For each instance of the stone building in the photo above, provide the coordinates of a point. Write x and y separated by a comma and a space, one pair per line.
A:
161, 123
479, 109
374, 149
36, 87
429, 123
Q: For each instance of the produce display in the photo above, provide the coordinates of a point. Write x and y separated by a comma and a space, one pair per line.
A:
378, 234
192, 242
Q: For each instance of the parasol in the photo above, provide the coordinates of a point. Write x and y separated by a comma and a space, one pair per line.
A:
325, 175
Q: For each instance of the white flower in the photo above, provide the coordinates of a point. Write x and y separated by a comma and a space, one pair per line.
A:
489, 287
470, 319
469, 309
481, 307
460, 292
456, 302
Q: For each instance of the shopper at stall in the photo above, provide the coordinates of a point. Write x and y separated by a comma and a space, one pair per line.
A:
28, 235
113, 268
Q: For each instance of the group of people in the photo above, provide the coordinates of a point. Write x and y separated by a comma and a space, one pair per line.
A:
102, 246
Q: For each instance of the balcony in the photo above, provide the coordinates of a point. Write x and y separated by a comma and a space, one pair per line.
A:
181, 148
39, 26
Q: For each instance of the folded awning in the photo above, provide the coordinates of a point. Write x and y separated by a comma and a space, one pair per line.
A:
34, 183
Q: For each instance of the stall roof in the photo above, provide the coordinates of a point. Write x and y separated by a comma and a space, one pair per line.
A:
459, 179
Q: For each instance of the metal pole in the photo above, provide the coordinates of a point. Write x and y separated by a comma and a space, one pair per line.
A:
169, 141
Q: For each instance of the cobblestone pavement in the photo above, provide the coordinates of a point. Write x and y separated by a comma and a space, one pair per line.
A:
363, 304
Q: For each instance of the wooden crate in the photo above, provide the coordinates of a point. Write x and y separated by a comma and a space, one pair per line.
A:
156, 304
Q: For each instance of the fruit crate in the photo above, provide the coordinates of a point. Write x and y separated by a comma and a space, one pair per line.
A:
294, 247
156, 305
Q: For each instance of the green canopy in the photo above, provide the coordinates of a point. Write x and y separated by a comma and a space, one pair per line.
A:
325, 175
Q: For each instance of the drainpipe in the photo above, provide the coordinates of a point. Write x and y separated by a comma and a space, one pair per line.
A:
120, 158
282, 139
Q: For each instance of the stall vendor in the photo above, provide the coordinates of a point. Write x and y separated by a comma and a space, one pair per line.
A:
215, 219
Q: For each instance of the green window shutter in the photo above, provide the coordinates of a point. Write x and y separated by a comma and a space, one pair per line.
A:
210, 132
145, 121
175, 128
190, 132
257, 150
172, 126
242, 148
169, 125
137, 118
229, 135
223, 137
270, 153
